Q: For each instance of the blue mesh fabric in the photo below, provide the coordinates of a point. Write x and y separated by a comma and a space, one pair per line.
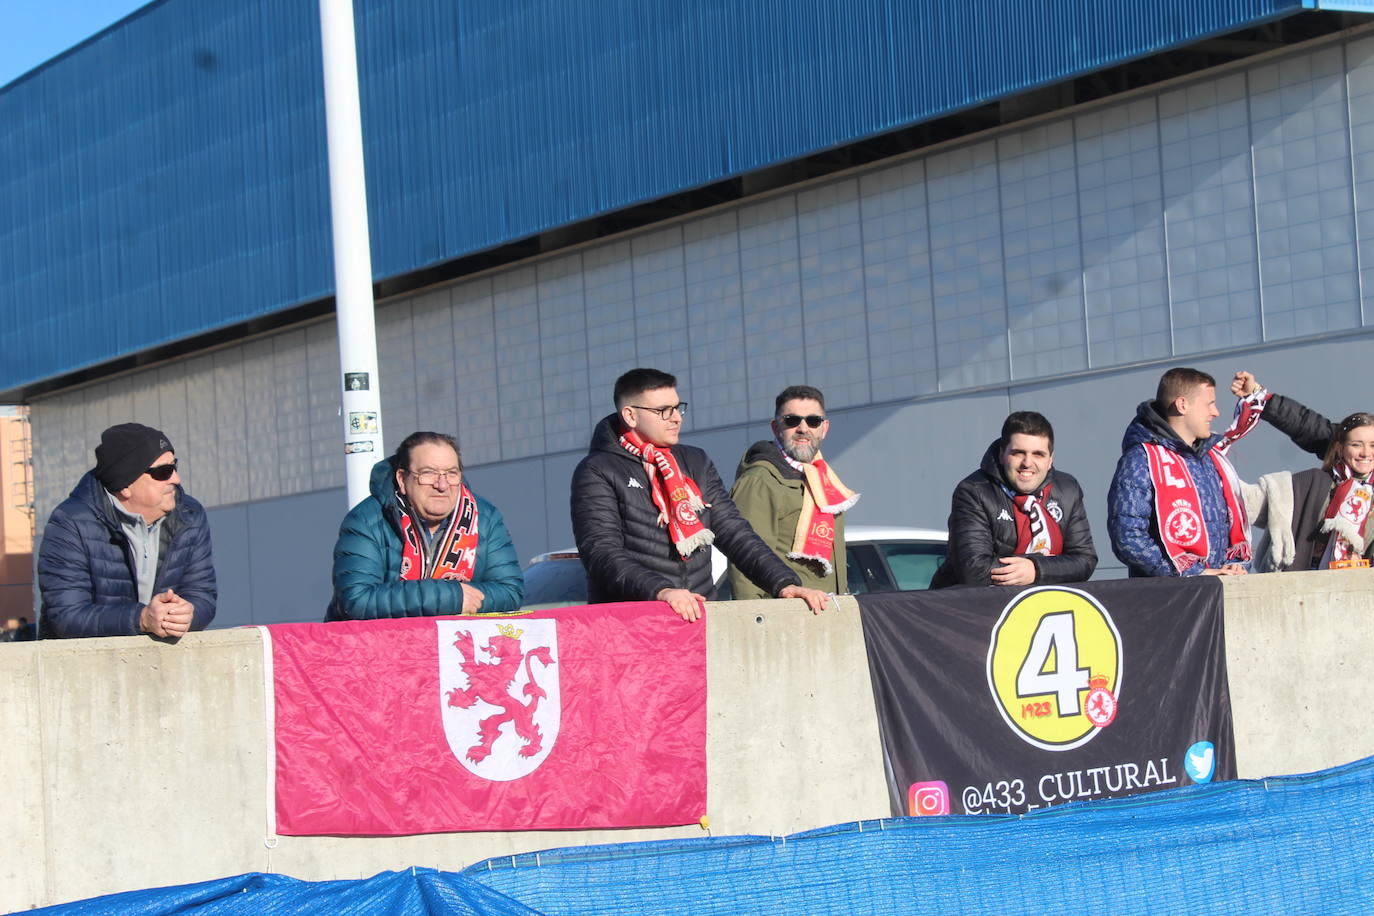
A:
1292, 844
405, 893
1297, 844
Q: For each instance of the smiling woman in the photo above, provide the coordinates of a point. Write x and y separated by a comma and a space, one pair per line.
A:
1326, 510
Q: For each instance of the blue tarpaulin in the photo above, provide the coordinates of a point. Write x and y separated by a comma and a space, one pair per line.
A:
1291, 844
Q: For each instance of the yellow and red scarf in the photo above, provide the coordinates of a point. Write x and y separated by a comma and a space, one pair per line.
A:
824, 496
676, 495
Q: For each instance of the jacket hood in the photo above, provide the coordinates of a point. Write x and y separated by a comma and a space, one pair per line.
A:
382, 482
606, 437
1150, 426
766, 452
991, 465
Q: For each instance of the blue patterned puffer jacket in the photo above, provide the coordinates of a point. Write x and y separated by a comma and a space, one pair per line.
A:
1131, 518
367, 563
86, 566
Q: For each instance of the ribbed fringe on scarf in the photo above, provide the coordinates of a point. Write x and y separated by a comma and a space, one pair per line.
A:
1346, 529
825, 564
842, 507
702, 538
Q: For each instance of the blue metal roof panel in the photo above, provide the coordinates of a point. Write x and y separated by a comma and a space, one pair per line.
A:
168, 177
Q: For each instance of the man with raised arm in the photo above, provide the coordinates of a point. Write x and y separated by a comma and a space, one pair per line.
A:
646, 509
1175, 506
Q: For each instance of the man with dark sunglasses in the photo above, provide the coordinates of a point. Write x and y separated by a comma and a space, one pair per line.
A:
646, 509
793, 498
128, 551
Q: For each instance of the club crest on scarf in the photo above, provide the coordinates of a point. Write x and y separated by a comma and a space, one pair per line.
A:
1183, 524
499, 694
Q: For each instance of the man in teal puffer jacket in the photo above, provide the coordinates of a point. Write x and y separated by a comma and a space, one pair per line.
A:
423, 544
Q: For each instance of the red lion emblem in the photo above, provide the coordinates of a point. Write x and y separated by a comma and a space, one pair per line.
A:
490, 682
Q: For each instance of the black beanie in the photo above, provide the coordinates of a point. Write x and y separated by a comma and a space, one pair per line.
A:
126, 451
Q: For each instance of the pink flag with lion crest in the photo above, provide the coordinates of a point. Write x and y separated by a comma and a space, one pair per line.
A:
578, 718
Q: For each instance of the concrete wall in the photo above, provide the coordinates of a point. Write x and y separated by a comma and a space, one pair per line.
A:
137, 764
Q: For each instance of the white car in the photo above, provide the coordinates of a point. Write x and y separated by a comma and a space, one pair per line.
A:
880, 559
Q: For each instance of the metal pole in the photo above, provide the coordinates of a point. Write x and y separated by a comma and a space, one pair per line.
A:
362, 405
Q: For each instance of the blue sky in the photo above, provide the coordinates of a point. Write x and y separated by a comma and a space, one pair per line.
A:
33, 31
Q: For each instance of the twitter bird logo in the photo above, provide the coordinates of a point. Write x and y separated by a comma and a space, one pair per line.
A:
1200, 762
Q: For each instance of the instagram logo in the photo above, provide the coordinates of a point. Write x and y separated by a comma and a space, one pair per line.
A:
926, 798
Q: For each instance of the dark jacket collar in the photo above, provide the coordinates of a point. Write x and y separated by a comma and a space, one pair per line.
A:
606, 438
93, 493
1151, 426
767, 451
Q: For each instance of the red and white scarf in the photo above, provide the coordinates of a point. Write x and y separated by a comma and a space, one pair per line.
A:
1178, 509
453, 550
824, 496
1037, 528
1346, 513
676, 495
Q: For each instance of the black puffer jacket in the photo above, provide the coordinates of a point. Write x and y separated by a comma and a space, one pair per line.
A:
628, 555
982, 528
1309, 430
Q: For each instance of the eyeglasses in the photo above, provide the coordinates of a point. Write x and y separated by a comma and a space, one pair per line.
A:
792, 421
428, 477
162, 471
666, 412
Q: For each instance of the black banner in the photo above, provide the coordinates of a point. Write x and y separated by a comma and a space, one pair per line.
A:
1004, 700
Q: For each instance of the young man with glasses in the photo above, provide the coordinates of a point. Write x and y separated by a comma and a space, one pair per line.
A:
129, 551
793, 498
423, 543
646, 509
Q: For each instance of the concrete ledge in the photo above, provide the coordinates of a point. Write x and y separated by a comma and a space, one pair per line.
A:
137, 764
1298, 651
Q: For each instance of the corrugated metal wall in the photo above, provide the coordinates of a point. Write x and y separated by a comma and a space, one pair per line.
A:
168, 177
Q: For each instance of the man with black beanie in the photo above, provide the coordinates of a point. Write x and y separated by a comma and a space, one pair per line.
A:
128, 552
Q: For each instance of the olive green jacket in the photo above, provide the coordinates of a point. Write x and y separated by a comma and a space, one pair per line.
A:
768, 493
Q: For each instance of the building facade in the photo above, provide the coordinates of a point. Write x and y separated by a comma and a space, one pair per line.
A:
1058, 266
1222, 219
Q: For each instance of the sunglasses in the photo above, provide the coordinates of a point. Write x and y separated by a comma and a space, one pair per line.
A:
792, 421
162, 471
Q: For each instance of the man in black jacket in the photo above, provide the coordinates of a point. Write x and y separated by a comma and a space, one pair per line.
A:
1016, 520
646, 509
